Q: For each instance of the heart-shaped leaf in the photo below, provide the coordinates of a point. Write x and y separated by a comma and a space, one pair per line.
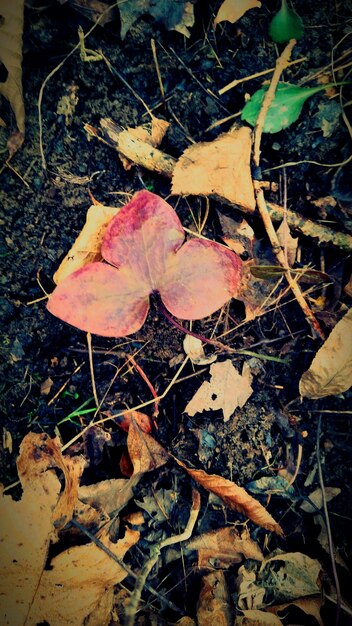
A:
144, 253
285, 108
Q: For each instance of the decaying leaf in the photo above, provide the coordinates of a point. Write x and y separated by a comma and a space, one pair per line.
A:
226, 390
194, 349
238, 235
107, 495
224, 546
26, 528
145, 452
330, 372
234, 497
316, 497
218, 168
254, 617
151, 133
290, 575
214, 602
79, 580
232, 10
309, 606
177, 16
87, 247
11, 29
143, 250
287, 242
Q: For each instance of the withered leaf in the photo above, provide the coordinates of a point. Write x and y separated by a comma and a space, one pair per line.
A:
11, 29
214, 602
232, 10
145, 452
87, 247
234, 497
226, 545
330, 372
226, 390
218, 168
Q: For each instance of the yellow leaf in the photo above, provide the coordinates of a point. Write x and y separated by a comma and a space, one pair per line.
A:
11, 29
218, 168
86, 248
232, 10
330, 372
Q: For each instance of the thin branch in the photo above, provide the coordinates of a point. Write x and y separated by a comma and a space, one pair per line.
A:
132, 608
261, 204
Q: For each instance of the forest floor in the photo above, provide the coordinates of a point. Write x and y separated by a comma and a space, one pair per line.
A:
46, 380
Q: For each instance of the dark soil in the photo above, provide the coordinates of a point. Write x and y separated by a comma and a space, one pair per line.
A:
42, 215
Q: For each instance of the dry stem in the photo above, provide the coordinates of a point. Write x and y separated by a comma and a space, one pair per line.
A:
281, 63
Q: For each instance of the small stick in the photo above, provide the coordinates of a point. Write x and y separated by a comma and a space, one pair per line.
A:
156, 63
261, 204
91, 365
132, 607
238, 81
143, 375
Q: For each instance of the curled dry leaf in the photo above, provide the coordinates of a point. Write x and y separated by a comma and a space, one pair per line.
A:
310, 606
143, 250
232, 10
226, 390
11, 29
287, 242
330, 372
225, 546
238, 235
150, 133
214, 602
234, 497
194, 349
218, 168
107, 495
145, 452
87, 247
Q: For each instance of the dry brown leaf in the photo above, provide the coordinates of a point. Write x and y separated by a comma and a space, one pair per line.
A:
238, 235
11, 29
232, 10
46, 386
254, 617
152, 133
214, 602
226, 546
287, 242
107, 495
145, 452
310, 606
86, 248
234, 497
193, 347
79, 583
26, 528
290, 575
330, 372
226, 390
218, 168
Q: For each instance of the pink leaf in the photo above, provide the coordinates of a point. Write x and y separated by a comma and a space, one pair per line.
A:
143, 245
99, 299
200, 278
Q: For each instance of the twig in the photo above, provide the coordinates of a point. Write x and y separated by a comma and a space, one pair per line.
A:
261, 204
238, 81
156, 63
328, 527
91, 365
155, 160
124, 566
147, 381
132, 607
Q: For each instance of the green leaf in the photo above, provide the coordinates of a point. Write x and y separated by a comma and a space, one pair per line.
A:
308, 276
285, 25
284, 109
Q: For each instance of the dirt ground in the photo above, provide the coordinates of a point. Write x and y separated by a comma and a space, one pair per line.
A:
42, 212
